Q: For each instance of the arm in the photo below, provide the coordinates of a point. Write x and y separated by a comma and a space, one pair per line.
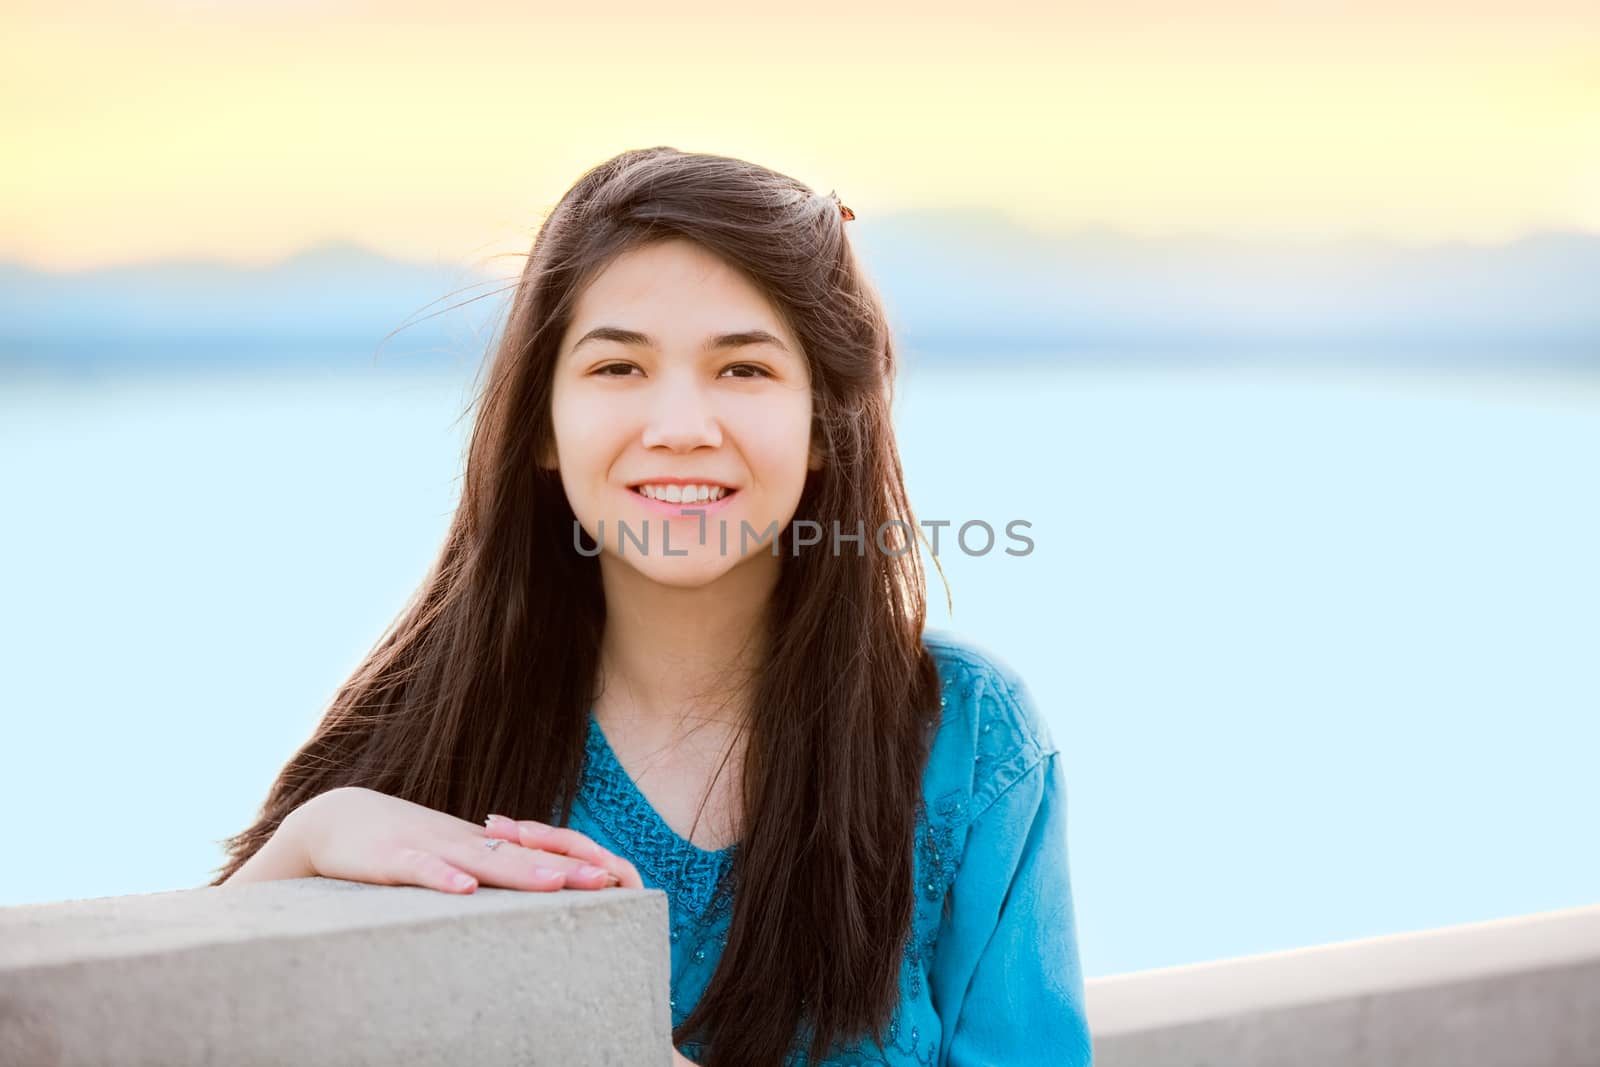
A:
1005, 973
281, 857
361, 835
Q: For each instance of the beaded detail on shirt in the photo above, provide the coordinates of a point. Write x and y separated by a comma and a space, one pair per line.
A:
691, 876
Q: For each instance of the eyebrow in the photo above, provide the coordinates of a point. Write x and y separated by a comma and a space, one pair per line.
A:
717, 342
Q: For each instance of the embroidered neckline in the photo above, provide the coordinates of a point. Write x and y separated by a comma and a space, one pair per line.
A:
690, 874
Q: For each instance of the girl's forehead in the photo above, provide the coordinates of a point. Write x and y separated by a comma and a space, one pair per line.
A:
674, 292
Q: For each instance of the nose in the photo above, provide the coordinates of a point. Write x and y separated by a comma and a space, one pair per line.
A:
681, 416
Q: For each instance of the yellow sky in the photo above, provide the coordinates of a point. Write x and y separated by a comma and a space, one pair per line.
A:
248, 130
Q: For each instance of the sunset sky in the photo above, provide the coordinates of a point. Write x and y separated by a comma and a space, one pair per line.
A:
247, 130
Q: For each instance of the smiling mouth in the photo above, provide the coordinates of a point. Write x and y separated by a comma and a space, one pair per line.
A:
683, 494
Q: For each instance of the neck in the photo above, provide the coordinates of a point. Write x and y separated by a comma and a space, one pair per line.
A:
675, 659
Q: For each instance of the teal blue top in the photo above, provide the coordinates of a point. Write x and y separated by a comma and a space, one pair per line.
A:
991, 972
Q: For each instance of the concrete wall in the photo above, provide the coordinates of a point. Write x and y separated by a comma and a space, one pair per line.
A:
1519, 993
326, 972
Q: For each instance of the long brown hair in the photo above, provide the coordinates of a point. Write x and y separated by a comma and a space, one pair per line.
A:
476, 697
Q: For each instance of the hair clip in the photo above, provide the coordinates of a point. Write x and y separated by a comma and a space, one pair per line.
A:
844, 212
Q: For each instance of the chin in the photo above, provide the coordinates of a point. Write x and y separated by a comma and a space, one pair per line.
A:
682, 572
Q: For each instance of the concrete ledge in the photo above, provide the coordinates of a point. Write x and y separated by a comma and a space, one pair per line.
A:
316, 971
326, 972
1522, 991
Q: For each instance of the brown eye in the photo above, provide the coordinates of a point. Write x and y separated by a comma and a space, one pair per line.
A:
750, 371
614, 370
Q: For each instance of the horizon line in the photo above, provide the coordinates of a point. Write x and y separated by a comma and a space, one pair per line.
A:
1003, 224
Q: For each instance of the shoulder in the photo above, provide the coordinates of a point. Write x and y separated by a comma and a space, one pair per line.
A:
991, 733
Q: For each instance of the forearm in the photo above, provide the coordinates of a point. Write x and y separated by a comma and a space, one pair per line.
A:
281, 857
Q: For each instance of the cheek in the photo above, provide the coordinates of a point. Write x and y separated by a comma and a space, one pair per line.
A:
584, 430
779, 440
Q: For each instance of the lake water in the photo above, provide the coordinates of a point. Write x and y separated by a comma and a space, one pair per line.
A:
1321, 648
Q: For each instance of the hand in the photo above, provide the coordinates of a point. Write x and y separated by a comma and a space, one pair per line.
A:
679, 1061
546, 838
361, 835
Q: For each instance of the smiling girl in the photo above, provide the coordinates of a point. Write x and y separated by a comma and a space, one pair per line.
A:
860, 826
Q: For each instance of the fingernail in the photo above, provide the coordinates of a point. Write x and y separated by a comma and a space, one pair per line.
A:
590, 871
546, 873
494, 820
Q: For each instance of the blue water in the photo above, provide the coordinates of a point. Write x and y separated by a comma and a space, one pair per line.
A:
1319, 646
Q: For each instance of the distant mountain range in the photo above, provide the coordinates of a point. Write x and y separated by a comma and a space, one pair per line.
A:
959, 286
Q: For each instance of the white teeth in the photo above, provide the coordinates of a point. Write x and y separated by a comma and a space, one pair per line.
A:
683, 494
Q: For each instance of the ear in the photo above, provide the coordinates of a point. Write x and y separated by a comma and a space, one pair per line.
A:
548, 459
814, 460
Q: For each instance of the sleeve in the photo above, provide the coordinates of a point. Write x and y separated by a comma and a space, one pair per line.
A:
1005, 973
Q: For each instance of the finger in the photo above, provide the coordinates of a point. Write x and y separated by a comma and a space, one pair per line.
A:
516, 867
512, 867
623, 874
503, 828
567, 842
580, 868
533, 834
530, 833
415, 866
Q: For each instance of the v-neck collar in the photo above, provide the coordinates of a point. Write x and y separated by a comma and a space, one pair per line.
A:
688, 872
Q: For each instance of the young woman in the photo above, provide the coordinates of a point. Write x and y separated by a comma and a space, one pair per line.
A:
637, 658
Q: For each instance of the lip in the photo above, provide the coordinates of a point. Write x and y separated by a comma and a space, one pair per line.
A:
680, 481
681, 510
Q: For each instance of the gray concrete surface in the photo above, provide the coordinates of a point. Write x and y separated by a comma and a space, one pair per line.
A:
315, 971
325, 972
1521, 992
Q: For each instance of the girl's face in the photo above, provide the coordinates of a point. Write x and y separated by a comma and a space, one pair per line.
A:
679, 388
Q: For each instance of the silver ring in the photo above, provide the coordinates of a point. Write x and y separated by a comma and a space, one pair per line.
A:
492, 843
